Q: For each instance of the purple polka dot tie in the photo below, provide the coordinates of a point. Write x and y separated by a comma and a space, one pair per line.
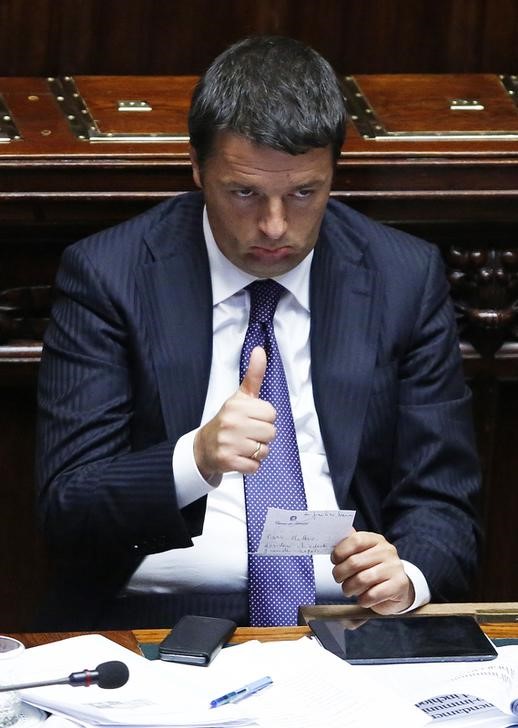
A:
277, 585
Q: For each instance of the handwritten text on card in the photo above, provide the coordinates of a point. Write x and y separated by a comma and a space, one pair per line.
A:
296, 533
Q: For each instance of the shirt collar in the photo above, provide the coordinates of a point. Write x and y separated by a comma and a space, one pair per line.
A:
227, 279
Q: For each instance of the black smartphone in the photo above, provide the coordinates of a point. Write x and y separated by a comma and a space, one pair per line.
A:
196, 640
404, 639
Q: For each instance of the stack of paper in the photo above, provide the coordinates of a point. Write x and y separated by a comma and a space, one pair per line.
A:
311, 687
470, 694
149, 698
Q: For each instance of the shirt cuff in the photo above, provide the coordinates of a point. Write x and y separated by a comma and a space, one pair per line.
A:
421, 589
190, 484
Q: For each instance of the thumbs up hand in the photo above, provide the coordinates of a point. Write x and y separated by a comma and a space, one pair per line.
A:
237, 438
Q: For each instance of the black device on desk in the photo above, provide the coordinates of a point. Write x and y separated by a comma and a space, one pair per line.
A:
196, 640
404, 639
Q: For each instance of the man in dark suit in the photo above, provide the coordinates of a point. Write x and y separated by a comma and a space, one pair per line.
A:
145, 433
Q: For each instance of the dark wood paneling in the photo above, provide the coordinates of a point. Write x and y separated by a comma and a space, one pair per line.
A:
496, 412
48, 37
499, 36
22, 555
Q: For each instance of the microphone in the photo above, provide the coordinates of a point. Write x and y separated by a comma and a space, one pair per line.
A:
108, 675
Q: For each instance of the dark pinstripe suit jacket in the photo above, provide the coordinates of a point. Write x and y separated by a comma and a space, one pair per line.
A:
125, 371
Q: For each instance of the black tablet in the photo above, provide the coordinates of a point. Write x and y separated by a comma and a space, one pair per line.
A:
404, 639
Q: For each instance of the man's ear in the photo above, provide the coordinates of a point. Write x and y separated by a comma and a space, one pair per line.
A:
196, 174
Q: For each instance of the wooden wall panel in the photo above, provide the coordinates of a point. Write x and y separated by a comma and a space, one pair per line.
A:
22, 553
48, 37
499, 36
498, 422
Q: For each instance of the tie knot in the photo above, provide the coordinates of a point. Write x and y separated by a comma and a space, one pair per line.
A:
264, 297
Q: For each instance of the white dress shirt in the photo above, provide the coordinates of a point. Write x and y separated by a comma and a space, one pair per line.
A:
217, 562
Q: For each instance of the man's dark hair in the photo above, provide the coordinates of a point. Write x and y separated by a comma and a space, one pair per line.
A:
272, 90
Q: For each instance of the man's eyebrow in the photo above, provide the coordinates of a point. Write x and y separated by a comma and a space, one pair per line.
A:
236, 183
233, 182
311, 183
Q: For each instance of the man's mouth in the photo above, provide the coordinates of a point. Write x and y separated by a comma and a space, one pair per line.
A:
271, 253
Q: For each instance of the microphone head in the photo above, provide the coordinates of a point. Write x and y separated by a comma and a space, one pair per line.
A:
113, 674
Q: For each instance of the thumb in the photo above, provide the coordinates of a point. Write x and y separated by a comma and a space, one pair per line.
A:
254, 376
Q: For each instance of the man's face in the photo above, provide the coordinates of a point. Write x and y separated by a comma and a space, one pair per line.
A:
264, 206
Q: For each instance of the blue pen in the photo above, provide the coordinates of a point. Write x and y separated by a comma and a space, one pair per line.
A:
234, 696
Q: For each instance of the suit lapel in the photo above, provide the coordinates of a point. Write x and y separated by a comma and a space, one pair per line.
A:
345, 316
345, 319
177, 299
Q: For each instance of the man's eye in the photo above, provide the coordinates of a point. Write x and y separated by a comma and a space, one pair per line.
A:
302, 194
244, 193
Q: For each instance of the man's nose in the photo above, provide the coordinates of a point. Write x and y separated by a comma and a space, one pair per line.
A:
273, 221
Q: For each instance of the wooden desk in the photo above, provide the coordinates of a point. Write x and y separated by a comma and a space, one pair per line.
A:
496, 630
132, 638
498, 620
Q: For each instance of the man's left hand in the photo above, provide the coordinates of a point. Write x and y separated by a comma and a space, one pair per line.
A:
369, 568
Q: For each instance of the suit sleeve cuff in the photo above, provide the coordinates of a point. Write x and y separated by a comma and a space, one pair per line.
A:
421, 589
190, 484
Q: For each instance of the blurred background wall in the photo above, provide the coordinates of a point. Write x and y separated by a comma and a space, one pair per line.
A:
47, 37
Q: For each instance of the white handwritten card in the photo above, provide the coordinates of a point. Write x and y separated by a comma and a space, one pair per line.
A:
298, 533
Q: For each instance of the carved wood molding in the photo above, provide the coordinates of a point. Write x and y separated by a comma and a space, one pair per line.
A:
484, 286
24, 312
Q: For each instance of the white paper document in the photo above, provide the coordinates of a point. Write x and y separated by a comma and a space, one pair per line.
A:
310, 688
300, 533
483, 694
147, 699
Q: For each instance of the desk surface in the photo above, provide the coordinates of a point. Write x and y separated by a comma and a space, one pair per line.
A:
498, 620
